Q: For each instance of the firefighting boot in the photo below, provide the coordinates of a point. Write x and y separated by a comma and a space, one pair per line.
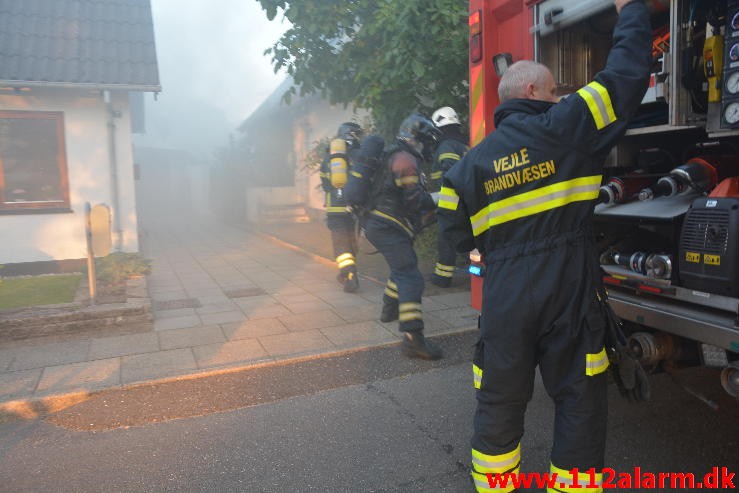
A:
415, 345
389, 313
351, 284
442, 282
442, 275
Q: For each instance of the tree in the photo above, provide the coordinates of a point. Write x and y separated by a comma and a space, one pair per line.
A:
390, 57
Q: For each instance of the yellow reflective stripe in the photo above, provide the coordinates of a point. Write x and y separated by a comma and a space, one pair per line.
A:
345, 260
448, 199
565, 481
444, 270
477, 375
599, 103
406, 180
391, 289
482, 483
391, 218
436, 175
355, 174
324, 174
496, 463
449, 155
410, 310
477, 104
596, 363
536, 201
335, 208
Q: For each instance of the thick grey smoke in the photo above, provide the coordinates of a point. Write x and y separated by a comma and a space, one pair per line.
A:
212, 70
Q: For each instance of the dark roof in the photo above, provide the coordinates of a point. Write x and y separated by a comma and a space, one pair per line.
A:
99, 43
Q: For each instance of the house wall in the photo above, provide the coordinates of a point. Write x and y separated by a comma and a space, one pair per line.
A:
60, 236
318, 121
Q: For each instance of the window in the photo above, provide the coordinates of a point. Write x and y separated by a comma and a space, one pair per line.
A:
33, 162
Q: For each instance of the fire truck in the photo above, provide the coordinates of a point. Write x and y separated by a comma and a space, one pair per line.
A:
667, 221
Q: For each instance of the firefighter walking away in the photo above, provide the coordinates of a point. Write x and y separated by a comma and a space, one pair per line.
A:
335, 170
399, 202
524, 197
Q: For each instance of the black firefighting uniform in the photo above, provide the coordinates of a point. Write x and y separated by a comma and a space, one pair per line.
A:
524, 197
340, 221
391, 226
452, 147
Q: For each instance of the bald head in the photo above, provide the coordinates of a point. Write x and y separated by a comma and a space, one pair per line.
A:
528, 80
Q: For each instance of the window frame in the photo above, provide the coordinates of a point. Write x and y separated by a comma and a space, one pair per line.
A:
62, 205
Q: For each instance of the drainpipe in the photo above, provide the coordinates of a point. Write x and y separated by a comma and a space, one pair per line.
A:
113, 161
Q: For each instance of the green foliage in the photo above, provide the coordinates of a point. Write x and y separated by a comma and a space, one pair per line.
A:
383, 55
425, 245
19, 292
119, 266
315, 154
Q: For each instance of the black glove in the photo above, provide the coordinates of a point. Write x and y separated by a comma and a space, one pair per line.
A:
630, 377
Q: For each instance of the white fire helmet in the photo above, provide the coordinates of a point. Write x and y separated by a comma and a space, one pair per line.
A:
445, 116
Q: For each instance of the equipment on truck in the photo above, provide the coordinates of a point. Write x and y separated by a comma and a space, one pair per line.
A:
620, 189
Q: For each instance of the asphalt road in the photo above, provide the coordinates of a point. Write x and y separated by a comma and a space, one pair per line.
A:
365, 421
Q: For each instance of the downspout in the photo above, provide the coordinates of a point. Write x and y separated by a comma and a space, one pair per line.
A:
113, 160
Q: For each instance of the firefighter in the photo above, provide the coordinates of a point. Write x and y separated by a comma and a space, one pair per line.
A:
399, 203
524, 197
452, 147
339, 219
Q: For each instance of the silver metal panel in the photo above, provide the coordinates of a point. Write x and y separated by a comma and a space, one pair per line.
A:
658, 208
572, 12
711, 327
677, 293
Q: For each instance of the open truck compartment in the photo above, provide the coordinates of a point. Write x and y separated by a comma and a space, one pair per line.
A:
668, 221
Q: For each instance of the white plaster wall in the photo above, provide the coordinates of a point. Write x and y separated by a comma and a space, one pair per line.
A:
59, 236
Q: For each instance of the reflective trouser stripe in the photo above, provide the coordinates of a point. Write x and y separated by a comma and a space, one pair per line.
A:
391, 290
448, 199
477, 375
409, 310
336, 209
596, 363
598, 100
496, 463
536, 201
345, 260
482, 483
444, 270
436, 175
585, 482
484, 464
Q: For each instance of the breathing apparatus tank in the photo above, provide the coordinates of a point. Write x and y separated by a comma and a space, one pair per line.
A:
338, 165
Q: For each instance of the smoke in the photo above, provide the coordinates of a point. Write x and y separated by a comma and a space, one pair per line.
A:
212, 71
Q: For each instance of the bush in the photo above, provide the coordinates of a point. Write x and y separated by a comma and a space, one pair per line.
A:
117, 267
425, 244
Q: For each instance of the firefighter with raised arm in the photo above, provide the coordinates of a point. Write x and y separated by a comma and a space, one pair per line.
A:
334, 173
524, 197
398, 204
452, 147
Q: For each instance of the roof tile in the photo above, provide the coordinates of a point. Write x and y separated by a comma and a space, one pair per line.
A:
106, 42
